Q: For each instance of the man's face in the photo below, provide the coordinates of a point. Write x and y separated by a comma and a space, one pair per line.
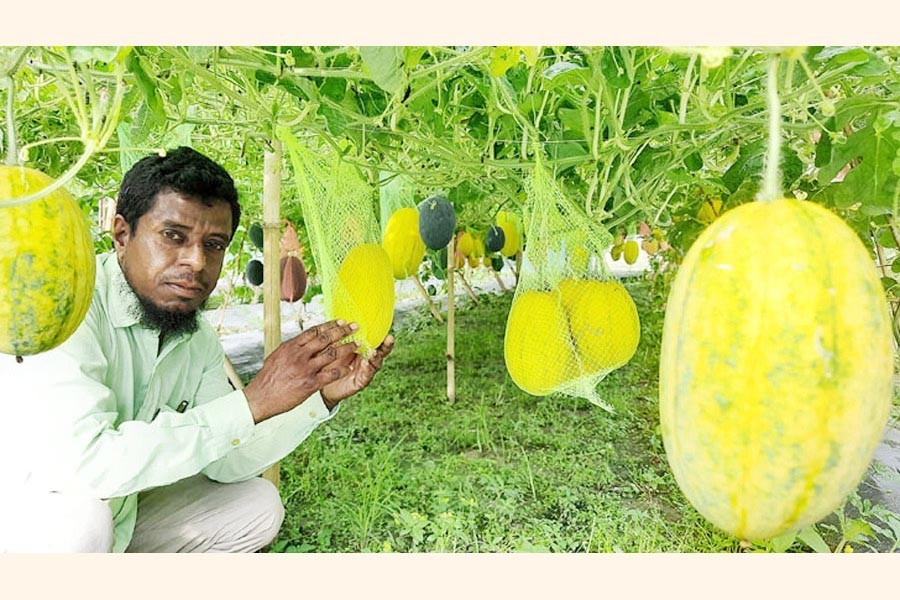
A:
173, 258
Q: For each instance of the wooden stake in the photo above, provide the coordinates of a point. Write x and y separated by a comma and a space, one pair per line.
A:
468, 288
451, 355
518, 265
499, 279
271, 264
431, 306
233, 376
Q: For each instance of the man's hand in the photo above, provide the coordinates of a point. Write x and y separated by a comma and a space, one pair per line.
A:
361, 373
300, 367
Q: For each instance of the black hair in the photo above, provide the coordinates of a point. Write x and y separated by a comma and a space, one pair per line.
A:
183, 170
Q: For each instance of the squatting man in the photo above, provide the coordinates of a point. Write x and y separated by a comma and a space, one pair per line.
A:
129, 436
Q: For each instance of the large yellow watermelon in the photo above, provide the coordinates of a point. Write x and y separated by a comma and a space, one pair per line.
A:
776, 368
47, 264
363, 293
536, 347
403, 243
604, 322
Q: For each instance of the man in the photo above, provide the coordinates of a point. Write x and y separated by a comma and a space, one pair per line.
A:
128, 436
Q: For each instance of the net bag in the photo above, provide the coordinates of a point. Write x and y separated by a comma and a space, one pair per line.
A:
338, 210
571, 323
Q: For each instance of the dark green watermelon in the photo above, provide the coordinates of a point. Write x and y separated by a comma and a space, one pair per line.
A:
497, 263
255, 233
494, 239
437, 222
254, 272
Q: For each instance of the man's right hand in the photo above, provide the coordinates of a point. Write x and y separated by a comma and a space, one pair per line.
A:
300, 367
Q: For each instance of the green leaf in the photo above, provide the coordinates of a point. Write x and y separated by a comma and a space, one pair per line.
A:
784, 541
868, 63
613, 68
873, 181
147, 85
413, 56
503, 58
895, 266
811, 538
571, 121
886, 239
86, 54
857, 529
385, 63
693, 162
750, 162
565, 73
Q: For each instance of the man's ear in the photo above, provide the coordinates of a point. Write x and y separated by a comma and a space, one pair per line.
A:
121, 234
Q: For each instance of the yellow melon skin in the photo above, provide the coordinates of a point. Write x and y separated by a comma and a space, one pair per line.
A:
512, 233
604, 323
363, 293
403, 242
47, 264
536, 346
775, 368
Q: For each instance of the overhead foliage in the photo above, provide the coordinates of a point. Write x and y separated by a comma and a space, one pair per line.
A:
634, 134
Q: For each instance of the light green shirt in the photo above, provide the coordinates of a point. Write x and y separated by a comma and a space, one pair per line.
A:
98, 415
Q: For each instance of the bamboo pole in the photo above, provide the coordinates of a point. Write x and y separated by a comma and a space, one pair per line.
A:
271, 264
431, 306
518, 265
466, 285
233, 376
499, 279
451, 355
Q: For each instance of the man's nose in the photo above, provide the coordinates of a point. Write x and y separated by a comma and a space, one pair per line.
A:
193, 256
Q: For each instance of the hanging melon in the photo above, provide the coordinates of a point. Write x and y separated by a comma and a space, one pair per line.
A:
364, 294
604, 322
47, 264
465, 243
254, 272
437, 222
403, 243
512, 233
494, 239
536, 347
776, 368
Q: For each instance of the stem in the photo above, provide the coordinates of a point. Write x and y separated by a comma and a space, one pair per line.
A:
771, 189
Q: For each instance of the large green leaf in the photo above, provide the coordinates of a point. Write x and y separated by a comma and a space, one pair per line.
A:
750, 163
385, 63
873, 181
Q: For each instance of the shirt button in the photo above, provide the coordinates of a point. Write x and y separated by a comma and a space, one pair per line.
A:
312, 414
235, 442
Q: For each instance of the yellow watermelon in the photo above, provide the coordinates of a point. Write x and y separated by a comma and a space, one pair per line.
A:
775, 369
403, 243
465, 243
47, 264
363, 293
604, 323
536, 347
512, 233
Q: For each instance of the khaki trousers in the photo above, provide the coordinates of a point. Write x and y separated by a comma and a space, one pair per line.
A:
192, 515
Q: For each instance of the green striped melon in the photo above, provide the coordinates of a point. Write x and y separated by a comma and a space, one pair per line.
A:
47, 264
775, 369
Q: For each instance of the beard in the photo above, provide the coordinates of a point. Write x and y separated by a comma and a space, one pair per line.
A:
167, 322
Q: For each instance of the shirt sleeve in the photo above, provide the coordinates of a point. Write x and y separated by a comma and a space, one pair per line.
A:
270, 440
72, 438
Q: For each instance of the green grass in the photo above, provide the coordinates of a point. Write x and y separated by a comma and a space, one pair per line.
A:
401, 468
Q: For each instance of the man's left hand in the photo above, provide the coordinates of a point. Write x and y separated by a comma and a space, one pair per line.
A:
362, 371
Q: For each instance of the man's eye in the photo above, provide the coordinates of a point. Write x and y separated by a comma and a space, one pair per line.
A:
217, 246
171, 234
